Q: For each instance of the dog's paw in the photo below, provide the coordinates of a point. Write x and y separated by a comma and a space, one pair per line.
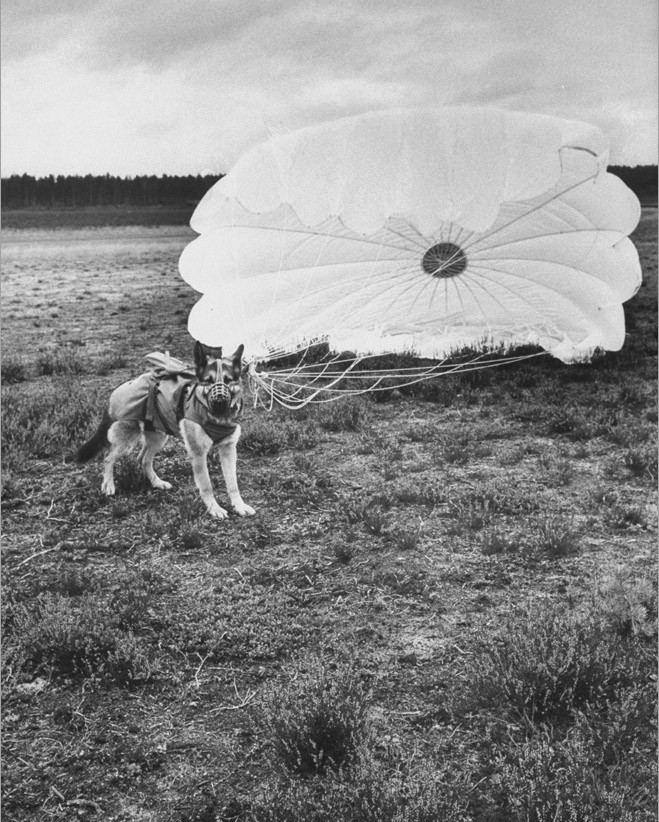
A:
243, 510
107, 488
161, 485
217, 511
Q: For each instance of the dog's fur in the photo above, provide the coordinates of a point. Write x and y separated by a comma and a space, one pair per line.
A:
119, 435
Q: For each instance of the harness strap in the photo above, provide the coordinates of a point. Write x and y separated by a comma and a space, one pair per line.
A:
151, 403
186, 401
153, 418
187, 391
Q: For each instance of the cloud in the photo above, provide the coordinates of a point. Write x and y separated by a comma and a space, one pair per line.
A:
112, 85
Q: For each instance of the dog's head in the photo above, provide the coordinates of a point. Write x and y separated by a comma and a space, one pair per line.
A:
220, 380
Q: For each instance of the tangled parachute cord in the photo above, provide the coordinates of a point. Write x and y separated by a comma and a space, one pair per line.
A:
338, 378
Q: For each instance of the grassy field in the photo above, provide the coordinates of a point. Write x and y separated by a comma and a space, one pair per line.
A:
445, 608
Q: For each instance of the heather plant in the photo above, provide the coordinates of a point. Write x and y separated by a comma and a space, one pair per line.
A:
642, 462
405, 536
554, 780
555, 537
269, 435
350, 414
375, 791
416, 492
620, 517
60, 361
557, 472
629, 604
319, 723
495, 540
109, 363
69, 638
544, 666
13, 370
375, 519
577, 423
42, 419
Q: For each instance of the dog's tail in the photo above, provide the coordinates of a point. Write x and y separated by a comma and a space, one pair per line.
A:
95, 444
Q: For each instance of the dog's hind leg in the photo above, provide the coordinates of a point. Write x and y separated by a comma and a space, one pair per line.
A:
123, 436
152, 443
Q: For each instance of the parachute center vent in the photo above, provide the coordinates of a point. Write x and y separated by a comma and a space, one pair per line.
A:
444, 260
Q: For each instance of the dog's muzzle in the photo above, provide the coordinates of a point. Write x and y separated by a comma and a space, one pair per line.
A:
219, 398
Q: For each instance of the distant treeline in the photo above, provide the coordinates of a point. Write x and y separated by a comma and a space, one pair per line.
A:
25, 191
641, 179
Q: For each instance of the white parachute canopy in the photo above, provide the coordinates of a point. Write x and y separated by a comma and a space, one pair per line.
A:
422, 231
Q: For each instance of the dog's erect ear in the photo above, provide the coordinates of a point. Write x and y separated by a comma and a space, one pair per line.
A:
200, 359
236, 359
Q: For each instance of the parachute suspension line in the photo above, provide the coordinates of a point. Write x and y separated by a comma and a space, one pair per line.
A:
444, 366
295, 388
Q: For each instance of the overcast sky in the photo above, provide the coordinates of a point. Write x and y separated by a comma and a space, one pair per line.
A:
184, 86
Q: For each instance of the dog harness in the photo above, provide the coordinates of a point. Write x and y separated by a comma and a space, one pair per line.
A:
171, 398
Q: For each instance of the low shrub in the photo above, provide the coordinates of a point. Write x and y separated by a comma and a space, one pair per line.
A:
629, 604
375, 792
70, 638
457, 451
497, 541
642, 462
422, 432
547, 665
375, 519
349, 414
578, 424
620, 517
475, 510
263, 436
41, 420
498, 498
317, 724
344, 550
191, 539
556, 780
557, 472
60, 361
411, 492
242, 622
13, 370
555, 537
270, 435
405, 536
110, 362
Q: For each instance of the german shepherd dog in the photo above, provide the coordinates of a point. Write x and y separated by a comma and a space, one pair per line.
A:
200, 404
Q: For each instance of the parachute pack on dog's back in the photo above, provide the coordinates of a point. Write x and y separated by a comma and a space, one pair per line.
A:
162, 397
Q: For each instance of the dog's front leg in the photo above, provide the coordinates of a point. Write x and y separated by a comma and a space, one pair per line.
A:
228, 461
198, 444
